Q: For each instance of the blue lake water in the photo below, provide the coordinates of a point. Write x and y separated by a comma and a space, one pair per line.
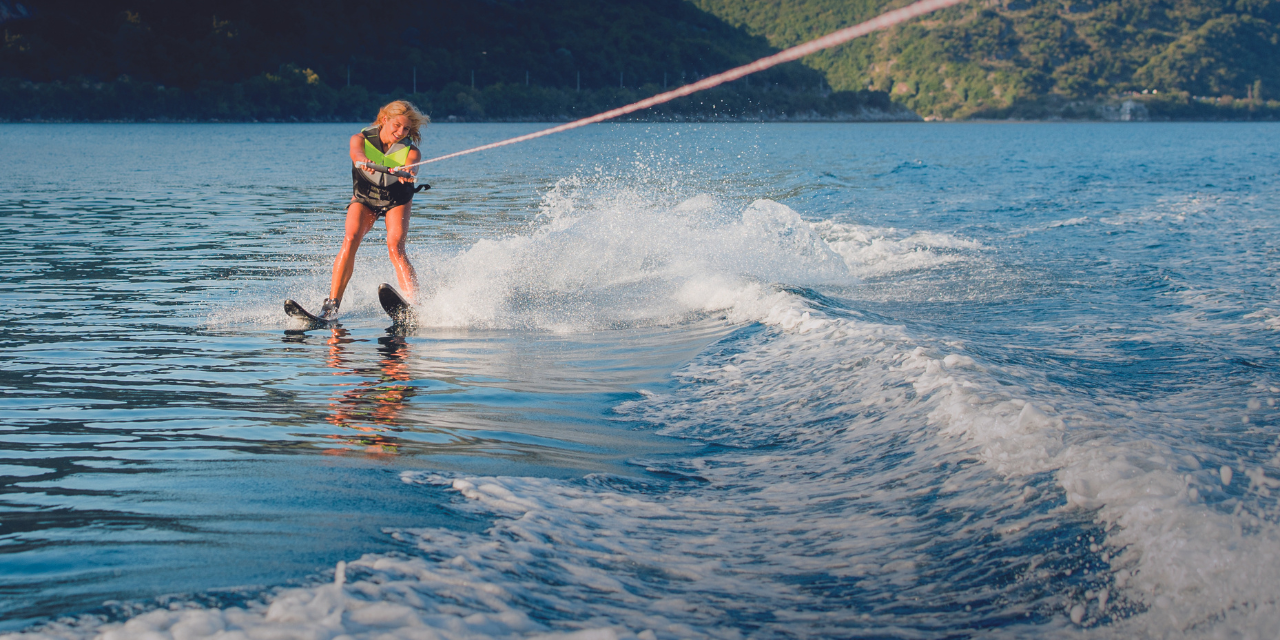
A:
671, 381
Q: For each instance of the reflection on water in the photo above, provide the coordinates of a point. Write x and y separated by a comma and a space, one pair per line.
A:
139, 472
518, 402
370, 407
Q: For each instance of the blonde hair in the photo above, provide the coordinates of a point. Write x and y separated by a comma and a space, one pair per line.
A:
407, 109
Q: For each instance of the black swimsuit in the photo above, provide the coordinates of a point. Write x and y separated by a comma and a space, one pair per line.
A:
380, 199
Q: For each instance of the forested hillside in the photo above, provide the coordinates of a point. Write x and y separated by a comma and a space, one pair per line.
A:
524, 59
1209, 58
319, 59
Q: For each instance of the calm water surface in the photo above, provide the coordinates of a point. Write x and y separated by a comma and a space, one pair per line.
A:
680, 380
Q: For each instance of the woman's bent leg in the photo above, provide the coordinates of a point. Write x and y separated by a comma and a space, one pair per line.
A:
359, 220
397, 233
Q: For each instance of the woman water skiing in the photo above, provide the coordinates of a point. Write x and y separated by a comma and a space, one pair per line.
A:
391, 141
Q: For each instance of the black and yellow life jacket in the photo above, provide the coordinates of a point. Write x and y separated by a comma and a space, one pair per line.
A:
397, 155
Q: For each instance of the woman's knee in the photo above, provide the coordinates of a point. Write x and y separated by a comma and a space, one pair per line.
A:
350, 243
355, 233
397, 251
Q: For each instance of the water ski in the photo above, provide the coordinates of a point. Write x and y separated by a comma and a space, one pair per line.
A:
396, 306
295, 310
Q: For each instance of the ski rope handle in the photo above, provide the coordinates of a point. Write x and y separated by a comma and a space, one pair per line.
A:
393, 172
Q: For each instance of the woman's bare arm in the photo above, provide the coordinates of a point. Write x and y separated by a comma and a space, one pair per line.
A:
357, 151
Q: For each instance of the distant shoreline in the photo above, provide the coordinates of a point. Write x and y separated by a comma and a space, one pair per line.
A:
1049, 120
294, 97
856, 109
690, 120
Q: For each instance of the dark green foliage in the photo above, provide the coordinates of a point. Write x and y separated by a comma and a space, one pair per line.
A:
1225, 56
556, 41
289, 59
1032, 58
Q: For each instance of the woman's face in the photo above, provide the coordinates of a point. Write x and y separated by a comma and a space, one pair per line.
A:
397, 126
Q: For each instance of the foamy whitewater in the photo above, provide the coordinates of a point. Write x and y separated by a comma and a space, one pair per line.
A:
946, 382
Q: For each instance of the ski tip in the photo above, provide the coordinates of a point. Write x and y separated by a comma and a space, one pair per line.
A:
297, 312
389, 294
395, 305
